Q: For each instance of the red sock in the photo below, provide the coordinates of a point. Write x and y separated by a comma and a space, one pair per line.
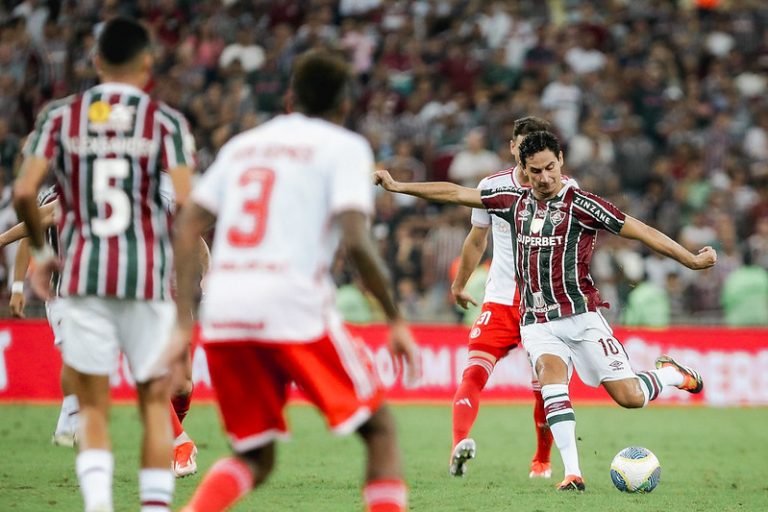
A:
181, 404
543, 434
466, 401
175, 423
388, 495
226, 482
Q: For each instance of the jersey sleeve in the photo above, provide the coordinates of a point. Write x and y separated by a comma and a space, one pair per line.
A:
42, 142
594, 212
209, 190
480, 216
500, 199
178, 148
351, 185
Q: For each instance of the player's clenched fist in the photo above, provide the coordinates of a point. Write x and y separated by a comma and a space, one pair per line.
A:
706, 258
385, 180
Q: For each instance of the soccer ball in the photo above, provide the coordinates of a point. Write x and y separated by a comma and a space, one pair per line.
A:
635, 469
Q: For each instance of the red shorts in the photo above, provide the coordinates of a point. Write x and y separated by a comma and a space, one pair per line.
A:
252, 382
496, 330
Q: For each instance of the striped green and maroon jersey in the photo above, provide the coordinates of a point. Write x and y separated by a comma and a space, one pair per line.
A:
109, 146
554, 242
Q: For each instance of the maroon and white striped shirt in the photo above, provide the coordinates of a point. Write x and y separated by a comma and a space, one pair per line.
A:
109, 146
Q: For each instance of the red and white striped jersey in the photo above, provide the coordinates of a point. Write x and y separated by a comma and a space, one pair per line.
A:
109, 146
554, 242
501, 284
276, 190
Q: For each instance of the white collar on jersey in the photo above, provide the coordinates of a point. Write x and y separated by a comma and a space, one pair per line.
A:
118, 87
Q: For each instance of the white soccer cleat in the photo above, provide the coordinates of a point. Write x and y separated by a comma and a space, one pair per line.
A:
66, 438
462, 452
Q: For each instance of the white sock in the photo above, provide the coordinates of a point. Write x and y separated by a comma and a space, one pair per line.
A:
562, 424
94, 471
68, 415
156, 489
181, 439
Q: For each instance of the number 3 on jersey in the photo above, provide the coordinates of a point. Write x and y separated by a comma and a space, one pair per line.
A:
256, 184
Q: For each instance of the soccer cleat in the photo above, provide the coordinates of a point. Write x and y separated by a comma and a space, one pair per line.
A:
462, 452
571, 483
692, 381
184, 459
540, 470
64, 438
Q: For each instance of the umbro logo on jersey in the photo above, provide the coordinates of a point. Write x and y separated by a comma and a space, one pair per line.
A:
464, 401
524, 214
617, 366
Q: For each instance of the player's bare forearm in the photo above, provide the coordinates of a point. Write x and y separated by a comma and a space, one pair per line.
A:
21, 261
191, 222
361, 250
436, 191
19, 231
471, 254
664, 245
25, 188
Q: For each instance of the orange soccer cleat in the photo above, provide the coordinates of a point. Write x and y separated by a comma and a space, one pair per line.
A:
184, 459
571, 483
540, 469
692, 381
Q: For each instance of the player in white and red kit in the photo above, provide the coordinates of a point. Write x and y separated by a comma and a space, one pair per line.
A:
497, 329
554, 226
109, 147
283, 197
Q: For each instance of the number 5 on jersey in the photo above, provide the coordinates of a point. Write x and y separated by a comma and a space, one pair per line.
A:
106, 194
257, 189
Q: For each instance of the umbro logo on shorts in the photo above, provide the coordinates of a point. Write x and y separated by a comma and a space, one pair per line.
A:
616, 365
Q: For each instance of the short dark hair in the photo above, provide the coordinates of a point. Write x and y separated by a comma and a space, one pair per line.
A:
321, 80
536, 142
530, 124
121, 40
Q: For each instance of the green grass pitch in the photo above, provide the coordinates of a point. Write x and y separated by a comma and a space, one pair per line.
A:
711, 459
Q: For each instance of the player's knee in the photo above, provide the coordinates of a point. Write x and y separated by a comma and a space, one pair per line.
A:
380, 425
261, 461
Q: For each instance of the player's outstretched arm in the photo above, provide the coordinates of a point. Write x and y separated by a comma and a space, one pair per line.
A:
661, 243
356, 239
31, 175
437, 191
471, 254
19, 231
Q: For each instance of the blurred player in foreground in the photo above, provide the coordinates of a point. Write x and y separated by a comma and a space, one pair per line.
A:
111, 145
283, 196
184, 450
497, 329
554, 226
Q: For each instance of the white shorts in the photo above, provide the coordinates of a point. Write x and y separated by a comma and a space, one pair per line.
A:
95, 330
585, 341
53, 313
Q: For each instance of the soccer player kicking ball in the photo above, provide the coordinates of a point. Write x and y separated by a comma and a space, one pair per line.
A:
497, 329
554, 226
283, 196
111, 144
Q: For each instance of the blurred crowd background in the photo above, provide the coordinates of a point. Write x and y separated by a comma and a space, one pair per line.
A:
661, 106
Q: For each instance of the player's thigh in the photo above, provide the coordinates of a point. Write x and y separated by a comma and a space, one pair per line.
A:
336, 374
597, 354
540, 340
496, 330
251, 390
90, 342
145, 334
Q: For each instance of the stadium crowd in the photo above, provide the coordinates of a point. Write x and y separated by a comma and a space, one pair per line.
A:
661, 105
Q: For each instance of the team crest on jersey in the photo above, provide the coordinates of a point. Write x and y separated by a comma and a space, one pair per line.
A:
556, 217
105, 117
474, 333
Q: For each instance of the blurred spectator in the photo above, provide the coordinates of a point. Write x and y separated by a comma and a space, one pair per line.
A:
745, 296
474, 162
562, 97
647, 306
